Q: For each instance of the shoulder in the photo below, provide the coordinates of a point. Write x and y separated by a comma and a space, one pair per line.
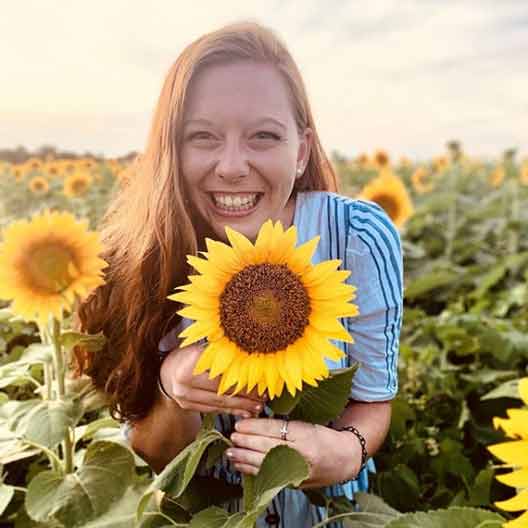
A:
359, 219
369, 225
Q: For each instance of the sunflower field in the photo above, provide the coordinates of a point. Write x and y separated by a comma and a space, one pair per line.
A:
460, 420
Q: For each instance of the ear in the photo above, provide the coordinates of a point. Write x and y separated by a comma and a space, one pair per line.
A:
305, 147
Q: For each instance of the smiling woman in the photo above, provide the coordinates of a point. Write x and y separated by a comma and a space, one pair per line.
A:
233, 144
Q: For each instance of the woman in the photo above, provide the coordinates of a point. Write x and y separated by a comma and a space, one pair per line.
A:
234, 143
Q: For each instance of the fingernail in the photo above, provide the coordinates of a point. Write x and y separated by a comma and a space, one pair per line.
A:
246, 414
258, 408
229, 454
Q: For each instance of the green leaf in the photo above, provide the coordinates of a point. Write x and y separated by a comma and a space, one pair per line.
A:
455, 517
370, 503
428, 282
121, 513
479, 494
88, 430
13, 373
36, 353
6, 494
324, 403
285, 403
178, 473
210, 518
509, 389
92, 342
76, 498
281, 467
47, 422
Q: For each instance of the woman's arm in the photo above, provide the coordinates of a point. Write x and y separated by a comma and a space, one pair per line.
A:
372, 420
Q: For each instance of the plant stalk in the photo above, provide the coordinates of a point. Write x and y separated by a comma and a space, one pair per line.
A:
452, 212
60, 373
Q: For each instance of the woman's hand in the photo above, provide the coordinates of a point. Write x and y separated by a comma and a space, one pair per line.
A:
198, 393
333, 456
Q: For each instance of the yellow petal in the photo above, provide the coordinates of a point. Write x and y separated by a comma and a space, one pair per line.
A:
335, 309
254, 371
301, 259
515, 479
241, 245
293, 367
263, 241
519, 522
515, 452
320, 272
330, 327
195, 298
271, 374
224, 355
517, 503
197, 331
516, 425
205, 360
243, 373
230, 377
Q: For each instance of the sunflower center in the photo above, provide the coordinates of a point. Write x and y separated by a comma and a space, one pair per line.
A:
51, 268
388, 203
264, 308
79, 186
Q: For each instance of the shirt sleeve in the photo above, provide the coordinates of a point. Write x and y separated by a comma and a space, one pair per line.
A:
373, 254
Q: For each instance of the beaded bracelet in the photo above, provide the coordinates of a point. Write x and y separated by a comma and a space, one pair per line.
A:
362, 443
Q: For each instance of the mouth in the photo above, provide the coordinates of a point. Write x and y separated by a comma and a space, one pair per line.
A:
234, 204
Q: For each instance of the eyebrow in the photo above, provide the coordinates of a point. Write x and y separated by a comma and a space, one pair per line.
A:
200, 121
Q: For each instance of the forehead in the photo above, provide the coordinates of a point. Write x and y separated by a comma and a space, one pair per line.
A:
239, 90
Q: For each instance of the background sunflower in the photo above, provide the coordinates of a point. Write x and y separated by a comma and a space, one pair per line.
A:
46, 262
390, 193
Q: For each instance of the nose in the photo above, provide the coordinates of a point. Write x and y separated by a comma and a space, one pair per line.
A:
232, 163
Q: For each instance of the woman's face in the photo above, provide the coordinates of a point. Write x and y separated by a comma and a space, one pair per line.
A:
241, 149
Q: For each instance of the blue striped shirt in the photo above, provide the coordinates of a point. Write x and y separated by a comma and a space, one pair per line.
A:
362, 236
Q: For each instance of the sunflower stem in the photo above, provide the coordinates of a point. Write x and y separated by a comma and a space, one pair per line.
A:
452, 212
513, 236
60, 372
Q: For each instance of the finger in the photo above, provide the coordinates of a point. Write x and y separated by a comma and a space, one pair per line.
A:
206, 397
190, 405
256, 442
246, 457
198, 407
266, 427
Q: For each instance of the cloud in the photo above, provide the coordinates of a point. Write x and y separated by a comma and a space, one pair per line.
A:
407, 75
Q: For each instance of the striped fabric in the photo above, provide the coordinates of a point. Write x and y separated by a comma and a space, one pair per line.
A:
362, 236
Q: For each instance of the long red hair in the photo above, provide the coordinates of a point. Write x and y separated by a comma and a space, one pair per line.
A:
150, 227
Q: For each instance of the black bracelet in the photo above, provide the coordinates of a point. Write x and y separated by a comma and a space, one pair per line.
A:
162, 389
362, 442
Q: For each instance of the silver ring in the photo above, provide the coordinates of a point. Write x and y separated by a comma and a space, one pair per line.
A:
284, 430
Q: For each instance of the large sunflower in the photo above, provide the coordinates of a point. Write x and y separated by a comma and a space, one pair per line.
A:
266, 311
77, 184
515, 454
389, 192
46, 262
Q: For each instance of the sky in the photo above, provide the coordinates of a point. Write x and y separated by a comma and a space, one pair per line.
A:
403, 75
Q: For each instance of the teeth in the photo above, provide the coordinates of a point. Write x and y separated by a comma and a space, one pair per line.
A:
244, 202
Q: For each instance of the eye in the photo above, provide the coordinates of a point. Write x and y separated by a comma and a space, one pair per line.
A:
200, 135
267, 135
